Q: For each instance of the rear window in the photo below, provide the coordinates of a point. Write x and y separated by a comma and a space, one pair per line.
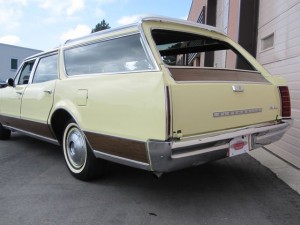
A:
124, 54
186, 49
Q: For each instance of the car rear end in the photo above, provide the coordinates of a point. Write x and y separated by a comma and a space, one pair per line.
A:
219, 101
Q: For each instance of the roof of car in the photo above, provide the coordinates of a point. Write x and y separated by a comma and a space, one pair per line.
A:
141, 20
149, 18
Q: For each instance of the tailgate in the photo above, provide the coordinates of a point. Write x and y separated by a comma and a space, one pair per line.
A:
200, 106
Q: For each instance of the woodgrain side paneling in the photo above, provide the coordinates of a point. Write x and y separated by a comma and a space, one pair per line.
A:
200, 74
129, 149
37, 128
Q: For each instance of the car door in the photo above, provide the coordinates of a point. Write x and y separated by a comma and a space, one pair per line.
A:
12, 95
37, 98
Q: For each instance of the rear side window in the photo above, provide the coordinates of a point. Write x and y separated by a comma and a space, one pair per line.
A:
186, 49
122, 54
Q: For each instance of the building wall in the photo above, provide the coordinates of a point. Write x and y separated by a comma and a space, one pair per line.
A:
195, 9
8, 52
233, 29
282, 18
227, 19
222, 19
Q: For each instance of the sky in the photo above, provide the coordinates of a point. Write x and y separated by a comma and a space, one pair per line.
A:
45, 24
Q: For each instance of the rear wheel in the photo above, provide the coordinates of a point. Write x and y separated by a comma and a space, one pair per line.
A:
79, 157
4, 133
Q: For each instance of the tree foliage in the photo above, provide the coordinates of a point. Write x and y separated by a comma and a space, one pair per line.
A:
101, 26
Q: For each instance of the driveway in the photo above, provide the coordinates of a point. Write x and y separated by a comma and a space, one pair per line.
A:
36, 188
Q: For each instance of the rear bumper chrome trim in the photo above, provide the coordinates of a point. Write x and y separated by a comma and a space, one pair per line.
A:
167, 156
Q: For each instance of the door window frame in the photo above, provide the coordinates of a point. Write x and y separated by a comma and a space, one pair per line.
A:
18, 74
38, 60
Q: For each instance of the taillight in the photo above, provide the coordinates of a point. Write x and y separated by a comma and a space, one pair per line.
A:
285, 101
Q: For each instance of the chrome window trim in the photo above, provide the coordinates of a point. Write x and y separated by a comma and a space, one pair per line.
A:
95, 41
64, 48
38, 61
146, 43
109, 74
97, 35
169, 112
31, 73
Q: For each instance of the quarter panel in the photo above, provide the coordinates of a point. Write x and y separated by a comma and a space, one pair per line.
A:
129, 105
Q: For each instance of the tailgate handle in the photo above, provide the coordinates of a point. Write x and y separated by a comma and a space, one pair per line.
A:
237, 88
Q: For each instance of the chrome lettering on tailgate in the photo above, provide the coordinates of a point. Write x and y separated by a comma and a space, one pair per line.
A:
237, 112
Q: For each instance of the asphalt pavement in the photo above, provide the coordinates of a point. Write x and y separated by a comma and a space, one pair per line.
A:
36, 188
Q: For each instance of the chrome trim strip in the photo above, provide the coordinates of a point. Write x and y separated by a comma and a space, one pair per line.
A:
90, 42
109, 74
121, 160
49, 140
98, 34
169, 112
236, 112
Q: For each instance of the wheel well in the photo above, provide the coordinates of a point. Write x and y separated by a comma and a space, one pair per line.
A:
59, 121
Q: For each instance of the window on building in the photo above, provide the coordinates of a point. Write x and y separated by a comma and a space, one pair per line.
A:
267, 42
14, 64
201, 18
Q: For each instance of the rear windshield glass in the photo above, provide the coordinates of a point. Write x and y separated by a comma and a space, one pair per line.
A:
124, 54
186, 49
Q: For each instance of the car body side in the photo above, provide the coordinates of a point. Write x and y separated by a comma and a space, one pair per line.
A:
119, 113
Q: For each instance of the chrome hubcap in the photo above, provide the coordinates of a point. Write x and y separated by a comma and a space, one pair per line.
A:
76, 148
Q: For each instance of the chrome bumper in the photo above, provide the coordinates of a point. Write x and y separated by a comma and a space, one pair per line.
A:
167, 156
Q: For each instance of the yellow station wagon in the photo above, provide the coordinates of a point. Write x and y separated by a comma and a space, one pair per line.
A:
159, 95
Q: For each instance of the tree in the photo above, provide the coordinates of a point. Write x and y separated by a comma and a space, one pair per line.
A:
101, 26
